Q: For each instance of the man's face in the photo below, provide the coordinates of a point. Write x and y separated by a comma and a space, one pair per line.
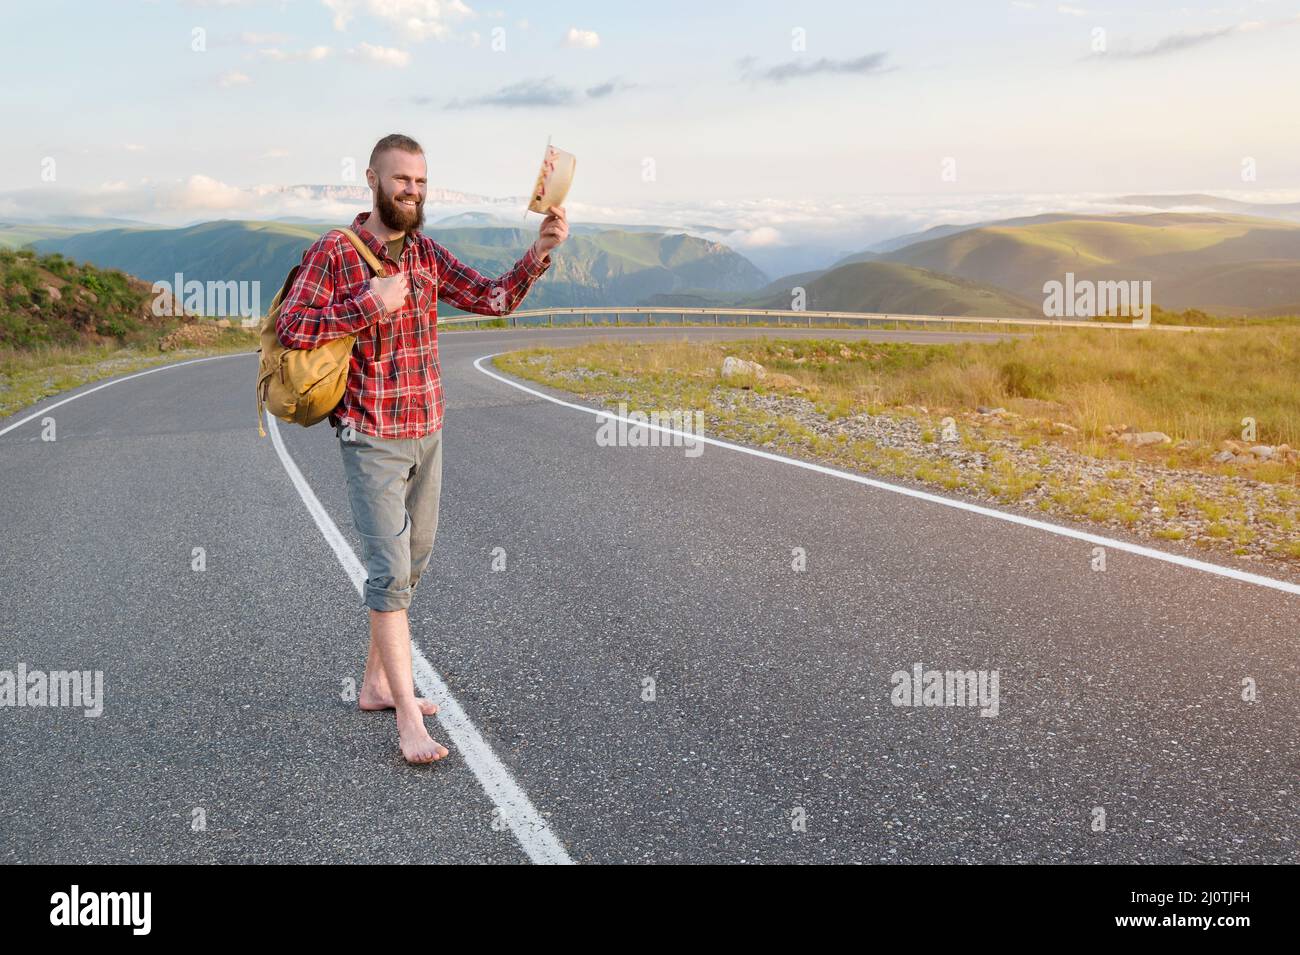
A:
400, 187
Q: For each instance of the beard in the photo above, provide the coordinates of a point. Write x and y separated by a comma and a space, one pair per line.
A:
396, 215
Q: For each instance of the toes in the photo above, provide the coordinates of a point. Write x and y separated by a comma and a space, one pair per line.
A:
421, 755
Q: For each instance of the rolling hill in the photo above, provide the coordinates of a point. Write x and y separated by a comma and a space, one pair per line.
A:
1177, 252
19, 233
896, 288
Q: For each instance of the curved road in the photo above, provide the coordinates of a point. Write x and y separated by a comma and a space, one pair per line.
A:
770, 735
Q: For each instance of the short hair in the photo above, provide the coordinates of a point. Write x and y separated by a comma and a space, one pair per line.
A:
395, 141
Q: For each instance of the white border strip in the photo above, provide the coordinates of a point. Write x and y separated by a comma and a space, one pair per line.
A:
534, 835
1153, 553
113, 381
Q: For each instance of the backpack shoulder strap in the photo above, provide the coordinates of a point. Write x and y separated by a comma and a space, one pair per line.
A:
364, 249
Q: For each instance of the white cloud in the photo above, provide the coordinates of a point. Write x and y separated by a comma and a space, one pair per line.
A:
582, 39
385, 55
204, 193
295, 56
342, 10
261, 39
1071, 11
762, 237
232, 79
412, 19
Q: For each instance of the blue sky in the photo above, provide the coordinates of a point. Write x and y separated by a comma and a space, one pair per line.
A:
716, 95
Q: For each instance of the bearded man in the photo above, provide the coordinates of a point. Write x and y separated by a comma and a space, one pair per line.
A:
389, 421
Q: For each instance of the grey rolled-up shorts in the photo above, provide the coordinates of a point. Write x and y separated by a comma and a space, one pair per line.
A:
393, 486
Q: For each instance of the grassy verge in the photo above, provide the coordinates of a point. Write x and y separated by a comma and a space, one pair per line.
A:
28, 375
1044, 421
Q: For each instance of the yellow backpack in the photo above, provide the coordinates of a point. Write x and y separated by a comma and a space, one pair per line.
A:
303, 385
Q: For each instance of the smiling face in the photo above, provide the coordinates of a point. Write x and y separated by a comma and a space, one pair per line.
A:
397, 179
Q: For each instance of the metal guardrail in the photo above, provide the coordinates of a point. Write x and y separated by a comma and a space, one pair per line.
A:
546, 318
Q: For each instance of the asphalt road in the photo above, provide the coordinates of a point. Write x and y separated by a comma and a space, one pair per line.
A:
771, 736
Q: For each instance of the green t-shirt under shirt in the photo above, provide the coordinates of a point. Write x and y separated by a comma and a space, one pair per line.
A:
395, 249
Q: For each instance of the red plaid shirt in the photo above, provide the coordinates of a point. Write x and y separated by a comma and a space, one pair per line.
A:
394, 387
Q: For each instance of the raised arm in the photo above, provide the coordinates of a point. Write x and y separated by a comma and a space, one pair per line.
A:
471, 291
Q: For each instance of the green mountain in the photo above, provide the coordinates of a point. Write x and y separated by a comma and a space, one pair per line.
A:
18, 233
895, 288
611, 267
939, 231
15, 235
1210, 261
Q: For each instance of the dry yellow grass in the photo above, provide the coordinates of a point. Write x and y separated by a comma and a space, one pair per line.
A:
1197, 387
28, 375
1190, 388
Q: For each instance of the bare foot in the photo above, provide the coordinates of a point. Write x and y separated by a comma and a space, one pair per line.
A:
417, 745
367, 700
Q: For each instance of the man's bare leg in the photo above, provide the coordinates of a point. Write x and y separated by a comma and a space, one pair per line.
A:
375, 694
391, 634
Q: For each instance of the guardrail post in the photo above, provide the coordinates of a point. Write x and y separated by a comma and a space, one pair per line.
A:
550, 319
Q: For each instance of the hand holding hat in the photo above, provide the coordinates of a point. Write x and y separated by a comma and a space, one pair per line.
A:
553, 231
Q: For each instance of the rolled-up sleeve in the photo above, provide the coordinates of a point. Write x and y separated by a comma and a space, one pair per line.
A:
470, 291
311, 315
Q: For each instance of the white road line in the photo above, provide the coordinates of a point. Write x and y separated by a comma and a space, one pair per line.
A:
1154, 554
115, 381
534, 835
517, 812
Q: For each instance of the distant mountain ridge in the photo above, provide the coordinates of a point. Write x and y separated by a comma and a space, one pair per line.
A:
361, 195
609, 267
1175, 251
892, 287
1217, 203
1224, 263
